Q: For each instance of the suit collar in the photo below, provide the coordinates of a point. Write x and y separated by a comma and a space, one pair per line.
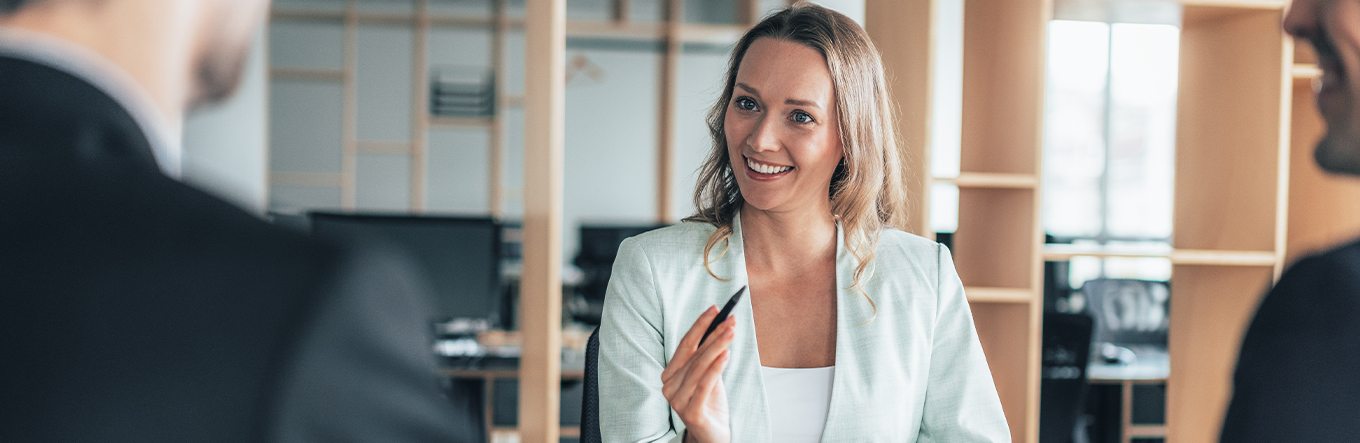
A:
110, 81
51, 114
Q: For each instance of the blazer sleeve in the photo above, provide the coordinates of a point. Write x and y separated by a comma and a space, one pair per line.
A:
362, 369
633, 354
961, 402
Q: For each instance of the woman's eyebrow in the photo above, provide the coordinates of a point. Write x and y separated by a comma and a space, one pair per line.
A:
795, 102
749, 89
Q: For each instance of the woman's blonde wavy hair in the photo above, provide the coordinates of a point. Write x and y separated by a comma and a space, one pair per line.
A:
867, 189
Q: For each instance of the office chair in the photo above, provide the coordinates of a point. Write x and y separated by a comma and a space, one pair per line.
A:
1062, 395
590, 401
1130, 314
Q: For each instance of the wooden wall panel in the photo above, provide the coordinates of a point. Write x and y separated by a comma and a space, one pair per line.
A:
1005, 330
994, 245
1210, 309
1003, 78
1229, 129
904, 32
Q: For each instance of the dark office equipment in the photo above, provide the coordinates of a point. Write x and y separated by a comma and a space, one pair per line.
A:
1056, 285
505, 407
590, 405
946, 239
1067, 344
460, 91
1129, 313
297, 221
467, 397
459, 256
595, 259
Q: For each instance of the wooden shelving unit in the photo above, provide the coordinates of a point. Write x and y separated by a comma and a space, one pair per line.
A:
997, 246
1232, 195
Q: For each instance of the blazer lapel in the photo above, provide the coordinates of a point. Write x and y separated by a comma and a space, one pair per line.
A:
745, 387
851, 378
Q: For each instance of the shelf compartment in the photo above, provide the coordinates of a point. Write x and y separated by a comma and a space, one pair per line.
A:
982, 294
992, 180
1230, 161
996, 243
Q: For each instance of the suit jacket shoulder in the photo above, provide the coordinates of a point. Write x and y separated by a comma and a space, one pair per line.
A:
1295, 373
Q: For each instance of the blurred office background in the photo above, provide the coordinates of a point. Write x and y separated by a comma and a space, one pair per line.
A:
404, 119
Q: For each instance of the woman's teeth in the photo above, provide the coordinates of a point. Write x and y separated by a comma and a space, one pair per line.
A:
766, 169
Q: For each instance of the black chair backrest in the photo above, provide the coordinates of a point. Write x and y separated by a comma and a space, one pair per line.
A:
1062, 394
590, 403
1127, 311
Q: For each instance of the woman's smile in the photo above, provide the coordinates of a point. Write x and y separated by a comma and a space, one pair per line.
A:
766, 172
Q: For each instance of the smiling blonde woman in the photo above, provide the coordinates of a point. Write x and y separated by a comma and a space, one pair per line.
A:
853, 330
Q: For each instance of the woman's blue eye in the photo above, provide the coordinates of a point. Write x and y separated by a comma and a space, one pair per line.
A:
746, 104
802, 117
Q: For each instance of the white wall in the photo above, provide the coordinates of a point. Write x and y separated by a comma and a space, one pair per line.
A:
225, 145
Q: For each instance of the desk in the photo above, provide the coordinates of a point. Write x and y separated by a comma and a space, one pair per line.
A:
1150, 368
503, 375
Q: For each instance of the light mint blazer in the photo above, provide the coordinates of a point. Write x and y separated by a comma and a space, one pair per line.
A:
915, 372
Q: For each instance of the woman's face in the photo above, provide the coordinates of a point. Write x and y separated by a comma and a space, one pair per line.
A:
783, 136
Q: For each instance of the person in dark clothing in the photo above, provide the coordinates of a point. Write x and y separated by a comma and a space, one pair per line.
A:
134, 308
1296, 378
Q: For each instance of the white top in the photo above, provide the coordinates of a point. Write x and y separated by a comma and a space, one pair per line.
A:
799, 399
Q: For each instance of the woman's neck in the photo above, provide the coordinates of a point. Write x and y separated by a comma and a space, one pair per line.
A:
787, 241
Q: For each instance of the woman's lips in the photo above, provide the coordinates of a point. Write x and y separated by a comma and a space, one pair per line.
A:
765, 172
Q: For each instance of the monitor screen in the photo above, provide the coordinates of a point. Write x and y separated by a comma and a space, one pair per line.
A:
460, 257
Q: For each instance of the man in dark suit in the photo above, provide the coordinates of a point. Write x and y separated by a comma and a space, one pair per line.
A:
1298, 375
134, 308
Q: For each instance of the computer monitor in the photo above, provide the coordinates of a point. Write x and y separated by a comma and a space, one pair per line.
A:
599, 247
459, 256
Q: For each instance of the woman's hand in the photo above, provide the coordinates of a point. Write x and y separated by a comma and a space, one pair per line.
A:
692, 382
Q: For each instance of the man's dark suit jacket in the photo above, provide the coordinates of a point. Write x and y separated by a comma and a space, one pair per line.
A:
134, 308
1298, 376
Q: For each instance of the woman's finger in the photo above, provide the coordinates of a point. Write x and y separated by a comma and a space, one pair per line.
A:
701, 361
707, 385
689, 342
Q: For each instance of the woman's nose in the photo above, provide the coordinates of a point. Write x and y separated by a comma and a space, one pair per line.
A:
764, 135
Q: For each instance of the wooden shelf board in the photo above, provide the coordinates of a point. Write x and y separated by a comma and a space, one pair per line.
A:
312, 74
382, 147
1137, 431
1306, 71
992, 180
307, 15
460, 122
984, 294
1241, 4
1054, 252
611, 29
1223, 258
616, 29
